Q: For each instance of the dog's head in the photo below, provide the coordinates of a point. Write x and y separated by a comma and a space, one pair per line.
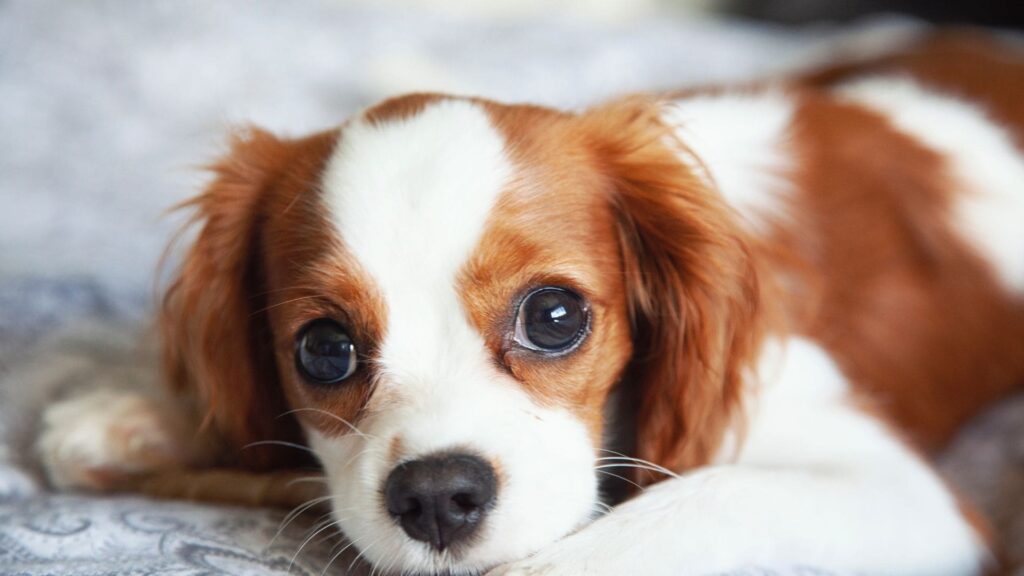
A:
442, 295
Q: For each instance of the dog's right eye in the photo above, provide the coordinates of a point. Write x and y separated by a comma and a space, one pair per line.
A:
552, 320
324, 353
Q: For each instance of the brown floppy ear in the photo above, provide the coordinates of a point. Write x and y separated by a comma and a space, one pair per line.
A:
217, 342
691, 285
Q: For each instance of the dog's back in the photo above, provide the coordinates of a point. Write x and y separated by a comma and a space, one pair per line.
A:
924, 307
887, 201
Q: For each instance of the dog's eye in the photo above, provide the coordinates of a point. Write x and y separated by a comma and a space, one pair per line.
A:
324, 353
551, 319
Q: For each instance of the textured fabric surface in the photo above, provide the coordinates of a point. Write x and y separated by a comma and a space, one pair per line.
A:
78, 535
108, 106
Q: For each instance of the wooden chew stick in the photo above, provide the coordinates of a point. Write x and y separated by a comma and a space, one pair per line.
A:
285, 489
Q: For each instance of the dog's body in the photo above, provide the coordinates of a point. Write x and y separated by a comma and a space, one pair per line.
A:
797, 289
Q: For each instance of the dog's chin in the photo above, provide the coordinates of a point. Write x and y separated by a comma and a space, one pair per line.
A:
389, 551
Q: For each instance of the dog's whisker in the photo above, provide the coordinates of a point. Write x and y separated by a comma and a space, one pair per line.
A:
335, 521
330, 415
604, 508
278, 443
353, 458
636, 466
306, 541
295, 513
373, 569
309, 479
623, 478
360, 554
329, 516
321, 520
313, 531
333, 558
627, 466
309, 288
328, 525
303, 507
278, 304
331, 535
619, 455
344, 541
394, 559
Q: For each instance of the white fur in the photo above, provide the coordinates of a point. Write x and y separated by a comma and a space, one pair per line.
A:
740, 139
95, 439
817, 483
989, 207
410, 199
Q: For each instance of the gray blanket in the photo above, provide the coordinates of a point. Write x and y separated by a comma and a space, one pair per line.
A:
108, 106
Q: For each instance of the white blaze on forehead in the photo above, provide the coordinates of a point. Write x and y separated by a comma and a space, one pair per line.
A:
988, 210
410, 198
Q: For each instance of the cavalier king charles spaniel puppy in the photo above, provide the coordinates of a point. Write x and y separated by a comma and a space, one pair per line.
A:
759, 309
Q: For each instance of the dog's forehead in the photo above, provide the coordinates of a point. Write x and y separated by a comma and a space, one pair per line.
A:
409, 198
416, 188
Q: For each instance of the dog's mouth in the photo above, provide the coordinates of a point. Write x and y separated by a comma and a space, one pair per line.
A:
486, 488
451, 561
390, 550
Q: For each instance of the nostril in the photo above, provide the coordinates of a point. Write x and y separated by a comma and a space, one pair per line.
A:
412, 507
466, 502
440, 499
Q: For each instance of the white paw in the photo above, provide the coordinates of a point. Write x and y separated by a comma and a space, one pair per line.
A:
532, 568
100, 439
556, 560
605, 547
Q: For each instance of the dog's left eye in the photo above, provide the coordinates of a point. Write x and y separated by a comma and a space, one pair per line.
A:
324, 353
551, 319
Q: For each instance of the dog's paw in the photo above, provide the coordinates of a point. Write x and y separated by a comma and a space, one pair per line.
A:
101, 439
522, 569
555, 561
601, 548
529, 567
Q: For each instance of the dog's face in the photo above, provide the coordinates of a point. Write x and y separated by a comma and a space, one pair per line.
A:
443, 294
489, 326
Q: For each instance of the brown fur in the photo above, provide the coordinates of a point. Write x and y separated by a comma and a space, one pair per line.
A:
528, 244
691, 285
399, 107
217, 342
664, 267
915, 318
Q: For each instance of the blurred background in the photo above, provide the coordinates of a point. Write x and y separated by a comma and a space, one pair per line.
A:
110, 107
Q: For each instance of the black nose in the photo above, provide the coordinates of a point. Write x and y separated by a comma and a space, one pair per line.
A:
441, 499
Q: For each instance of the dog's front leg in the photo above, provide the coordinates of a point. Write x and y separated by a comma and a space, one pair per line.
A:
817, 482
873, 521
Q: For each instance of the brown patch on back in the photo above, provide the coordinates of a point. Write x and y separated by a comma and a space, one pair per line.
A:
915, 319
